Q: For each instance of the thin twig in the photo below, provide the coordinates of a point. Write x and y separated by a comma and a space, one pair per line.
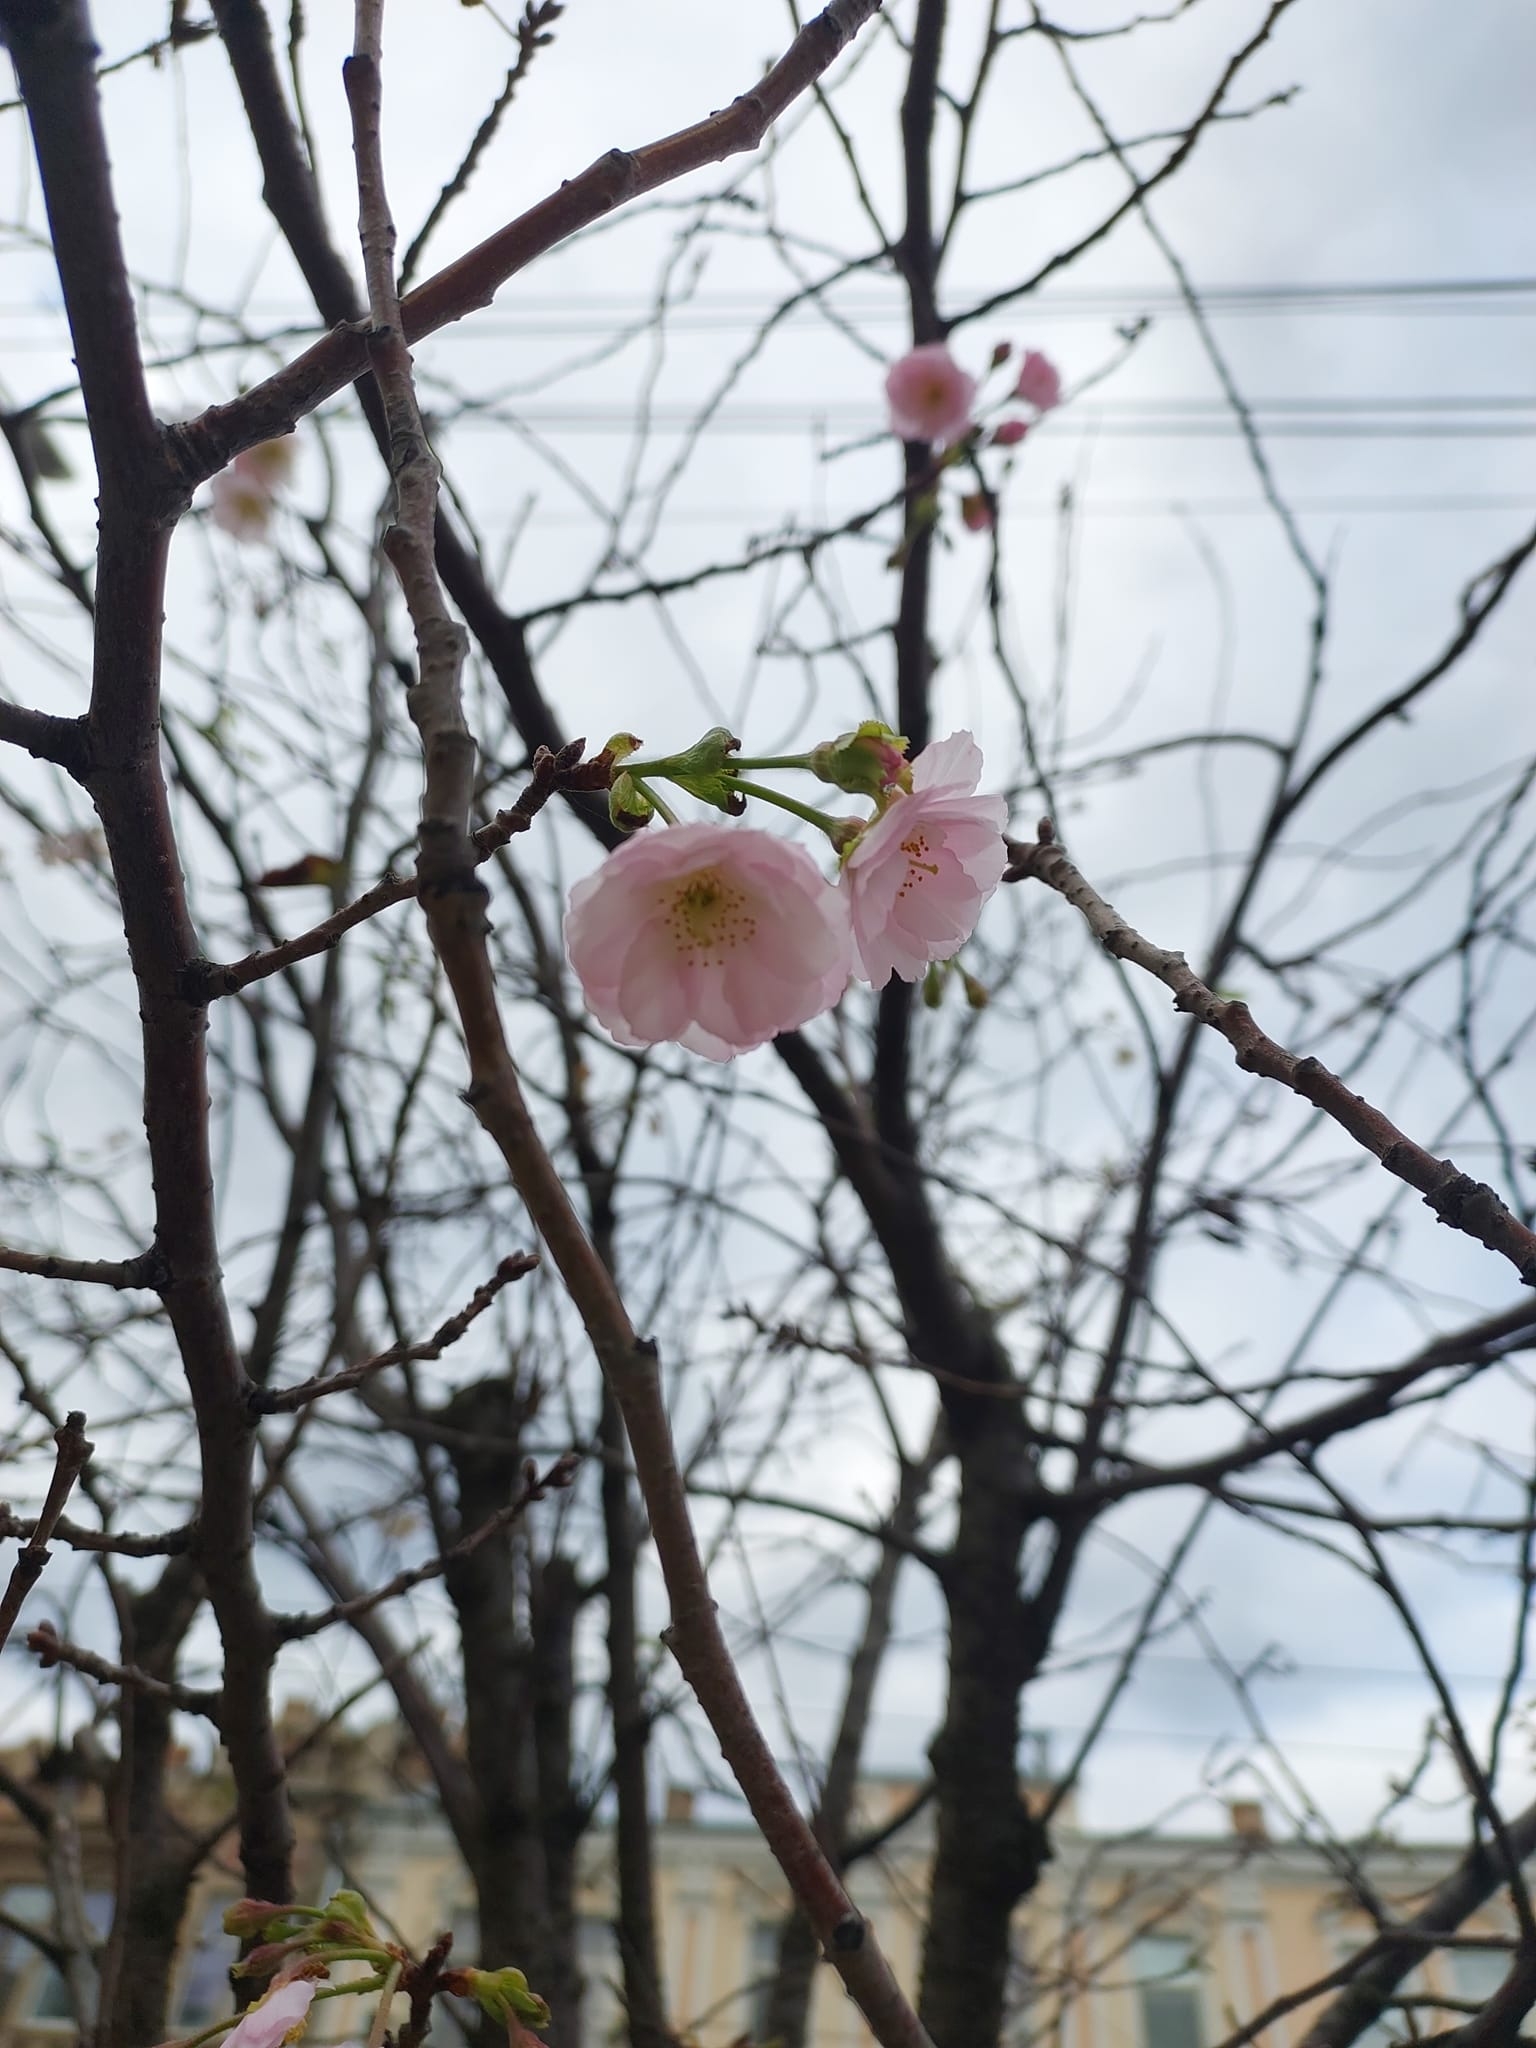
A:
110, 1543
552, 773
51, 1648
73, 1455
295, 1628
284, 1400
534, 30
148, 1269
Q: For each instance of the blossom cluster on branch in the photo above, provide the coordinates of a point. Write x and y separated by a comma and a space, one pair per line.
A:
931, 401
719, 936
295, 1948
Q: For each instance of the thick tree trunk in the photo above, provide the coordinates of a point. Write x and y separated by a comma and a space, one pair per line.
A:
989, 1850
556, 1601
639, 1945
520, 1922
154, 1870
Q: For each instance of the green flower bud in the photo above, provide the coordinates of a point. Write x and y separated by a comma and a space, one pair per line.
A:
346, 1915
866, 762
504, 1995
628, 808
705, 770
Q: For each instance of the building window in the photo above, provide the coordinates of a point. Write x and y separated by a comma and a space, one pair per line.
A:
602, 1980
1167, 1974
19, 1958
30, 1987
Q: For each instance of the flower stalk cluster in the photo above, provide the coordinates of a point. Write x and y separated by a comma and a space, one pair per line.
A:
296, 1948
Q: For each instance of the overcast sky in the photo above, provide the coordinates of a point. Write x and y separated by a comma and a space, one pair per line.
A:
1399, 421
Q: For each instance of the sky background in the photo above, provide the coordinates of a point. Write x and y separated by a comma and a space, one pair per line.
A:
1368, 255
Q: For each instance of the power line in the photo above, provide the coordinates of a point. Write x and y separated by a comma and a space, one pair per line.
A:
1303, 1667
577, 316
1103, 508
1190, 419
577, 313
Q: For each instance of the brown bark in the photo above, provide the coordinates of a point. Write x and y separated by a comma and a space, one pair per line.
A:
556, 1599
155, 1869
639, 1942
520, 1920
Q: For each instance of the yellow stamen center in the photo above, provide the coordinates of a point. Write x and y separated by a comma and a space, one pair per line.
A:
914, 848
708, 916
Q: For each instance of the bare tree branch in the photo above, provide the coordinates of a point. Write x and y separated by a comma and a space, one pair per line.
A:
73, 1455
204, 445
1458, 1201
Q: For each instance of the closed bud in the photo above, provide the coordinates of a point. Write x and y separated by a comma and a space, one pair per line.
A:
253, 1916
976, 511
865, 762
705, 771
345, 1915
628, 807
504, 1995
314, 870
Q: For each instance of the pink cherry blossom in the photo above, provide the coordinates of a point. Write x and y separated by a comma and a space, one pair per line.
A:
929, 395
714, 937
917, 879
280, 2014
1039, 382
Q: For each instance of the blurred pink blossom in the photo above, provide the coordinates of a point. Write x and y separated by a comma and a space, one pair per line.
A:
929, 395
279, 2016
1039, 382
714, 937
917, 879
976, 511
241, 505
1009, 433
269, 463
244, 494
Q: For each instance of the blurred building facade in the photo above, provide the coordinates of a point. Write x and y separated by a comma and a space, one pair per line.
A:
1156, 1941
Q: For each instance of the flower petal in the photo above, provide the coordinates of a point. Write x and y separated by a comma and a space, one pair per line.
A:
947, 765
